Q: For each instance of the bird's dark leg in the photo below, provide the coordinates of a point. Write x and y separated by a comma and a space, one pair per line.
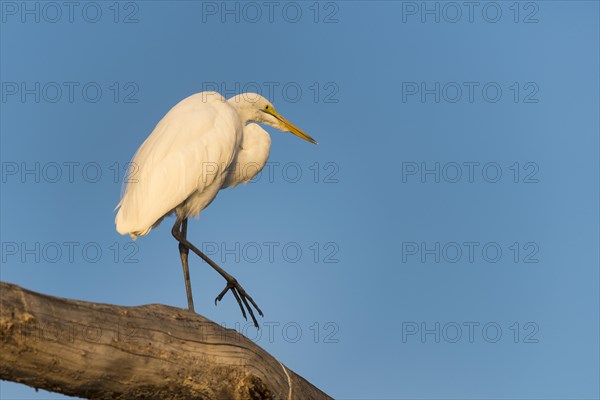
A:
183, 253
232, 284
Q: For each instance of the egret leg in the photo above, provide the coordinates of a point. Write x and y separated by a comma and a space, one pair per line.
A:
183, 253
232, 284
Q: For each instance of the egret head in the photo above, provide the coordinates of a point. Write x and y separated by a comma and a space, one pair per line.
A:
253, 107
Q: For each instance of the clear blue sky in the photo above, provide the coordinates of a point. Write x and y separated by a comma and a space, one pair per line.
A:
440, 242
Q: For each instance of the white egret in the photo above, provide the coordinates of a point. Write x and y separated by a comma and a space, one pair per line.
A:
204, 144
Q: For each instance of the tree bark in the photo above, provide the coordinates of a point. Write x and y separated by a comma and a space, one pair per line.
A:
103, 351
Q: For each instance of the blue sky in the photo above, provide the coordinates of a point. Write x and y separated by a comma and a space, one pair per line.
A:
440, 242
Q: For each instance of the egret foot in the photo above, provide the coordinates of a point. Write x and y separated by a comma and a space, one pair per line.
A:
241, 296
179, 232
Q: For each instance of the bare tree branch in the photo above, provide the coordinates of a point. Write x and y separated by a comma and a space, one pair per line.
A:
103, 351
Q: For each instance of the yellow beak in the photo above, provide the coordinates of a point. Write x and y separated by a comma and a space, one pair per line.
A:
291, 127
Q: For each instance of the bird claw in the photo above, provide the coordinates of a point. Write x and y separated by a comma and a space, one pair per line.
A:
241, 297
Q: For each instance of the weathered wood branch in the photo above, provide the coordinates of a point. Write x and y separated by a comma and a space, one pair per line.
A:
103, 351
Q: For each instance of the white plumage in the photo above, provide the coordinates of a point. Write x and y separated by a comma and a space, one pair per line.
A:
201, 145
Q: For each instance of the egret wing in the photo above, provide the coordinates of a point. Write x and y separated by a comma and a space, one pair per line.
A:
189, 150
